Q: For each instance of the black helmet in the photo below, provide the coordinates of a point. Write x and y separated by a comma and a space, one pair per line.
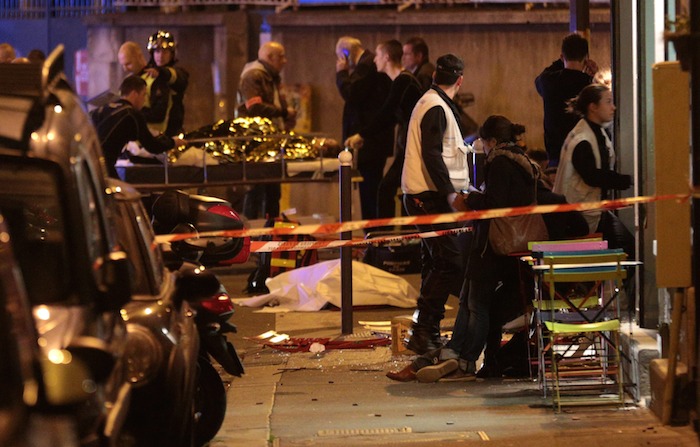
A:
163, 40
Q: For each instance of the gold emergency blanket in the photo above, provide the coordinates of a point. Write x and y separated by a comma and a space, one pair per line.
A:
253, 140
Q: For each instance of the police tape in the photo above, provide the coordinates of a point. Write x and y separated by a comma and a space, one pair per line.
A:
428, 219
272, 246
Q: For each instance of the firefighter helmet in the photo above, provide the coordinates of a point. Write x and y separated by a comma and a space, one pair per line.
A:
161, 40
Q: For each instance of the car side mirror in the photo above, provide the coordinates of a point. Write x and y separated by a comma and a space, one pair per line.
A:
117, 281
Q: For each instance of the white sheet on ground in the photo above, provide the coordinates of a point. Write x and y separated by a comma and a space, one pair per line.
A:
310, 288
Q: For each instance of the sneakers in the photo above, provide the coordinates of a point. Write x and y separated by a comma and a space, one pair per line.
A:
458, 375
433, 373
465, 372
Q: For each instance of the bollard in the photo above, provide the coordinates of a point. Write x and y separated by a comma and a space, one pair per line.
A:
345, 158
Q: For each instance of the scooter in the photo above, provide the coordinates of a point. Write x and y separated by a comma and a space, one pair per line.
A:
176, 211
213, 325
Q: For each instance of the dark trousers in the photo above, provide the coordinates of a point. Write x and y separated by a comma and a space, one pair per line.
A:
369, 186
386, 198
262, 201
441, 257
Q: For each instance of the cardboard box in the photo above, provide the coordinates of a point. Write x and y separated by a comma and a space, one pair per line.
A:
658, 373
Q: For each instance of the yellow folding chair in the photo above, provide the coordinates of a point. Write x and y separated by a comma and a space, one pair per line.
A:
579, 348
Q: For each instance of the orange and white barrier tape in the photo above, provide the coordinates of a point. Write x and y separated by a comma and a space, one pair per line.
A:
429, 219
271, 246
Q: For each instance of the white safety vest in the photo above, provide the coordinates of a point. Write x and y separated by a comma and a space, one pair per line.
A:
568, 181
414, 177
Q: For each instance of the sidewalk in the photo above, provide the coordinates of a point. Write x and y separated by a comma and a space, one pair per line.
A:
342, 398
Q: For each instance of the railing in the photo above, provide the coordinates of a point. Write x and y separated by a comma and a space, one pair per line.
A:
40, 9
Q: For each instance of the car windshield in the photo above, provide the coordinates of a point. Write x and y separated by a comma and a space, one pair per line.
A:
30, 202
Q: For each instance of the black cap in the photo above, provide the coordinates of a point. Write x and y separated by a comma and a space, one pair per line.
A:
449, 64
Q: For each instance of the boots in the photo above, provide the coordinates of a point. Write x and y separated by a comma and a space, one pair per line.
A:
424, 339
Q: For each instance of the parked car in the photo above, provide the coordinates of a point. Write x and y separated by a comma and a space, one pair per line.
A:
52, 198
173, 386
33, 411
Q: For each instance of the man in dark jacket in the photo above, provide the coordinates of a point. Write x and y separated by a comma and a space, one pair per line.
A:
259, 94
416, 60
364, 90
557, 84
121, 121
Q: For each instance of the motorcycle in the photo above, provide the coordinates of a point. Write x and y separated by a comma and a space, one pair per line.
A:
178, 212
213, 325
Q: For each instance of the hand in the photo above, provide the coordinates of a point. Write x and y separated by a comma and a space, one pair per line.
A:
457, 201
354, 141
178, 142
590, 67
152, 72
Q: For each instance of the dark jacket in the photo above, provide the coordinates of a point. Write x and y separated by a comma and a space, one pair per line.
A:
584, 162
256, 94
556, 85
166, 97
424, 74
560, 225
404, 94
510, 179
364, 92
118, 123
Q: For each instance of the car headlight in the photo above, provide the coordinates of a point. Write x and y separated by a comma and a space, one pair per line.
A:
143, 355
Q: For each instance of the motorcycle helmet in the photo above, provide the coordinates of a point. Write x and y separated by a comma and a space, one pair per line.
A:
163, 40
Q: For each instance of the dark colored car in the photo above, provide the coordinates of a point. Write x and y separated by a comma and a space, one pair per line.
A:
59, 218
35, 408
172, 385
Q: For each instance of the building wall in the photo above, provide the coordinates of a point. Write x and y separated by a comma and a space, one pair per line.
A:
503, 52
212, 47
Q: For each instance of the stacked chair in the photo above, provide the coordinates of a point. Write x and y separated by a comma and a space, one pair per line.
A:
578, 321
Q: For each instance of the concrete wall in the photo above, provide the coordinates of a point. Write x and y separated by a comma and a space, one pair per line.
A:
504, 52
212, 47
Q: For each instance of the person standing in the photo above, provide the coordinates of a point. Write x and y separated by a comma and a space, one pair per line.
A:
403, 95
259, 94
557, 84
435, 171
165, 110
491, 286
7, 53
586, 171
416, 60
121, 121
131, 59
364, 91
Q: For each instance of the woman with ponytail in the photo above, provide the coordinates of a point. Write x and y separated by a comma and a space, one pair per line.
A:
586, 169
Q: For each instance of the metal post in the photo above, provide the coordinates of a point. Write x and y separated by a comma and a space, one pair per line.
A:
345, 158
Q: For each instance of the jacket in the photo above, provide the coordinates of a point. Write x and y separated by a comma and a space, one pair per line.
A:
510, 180
436, 156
